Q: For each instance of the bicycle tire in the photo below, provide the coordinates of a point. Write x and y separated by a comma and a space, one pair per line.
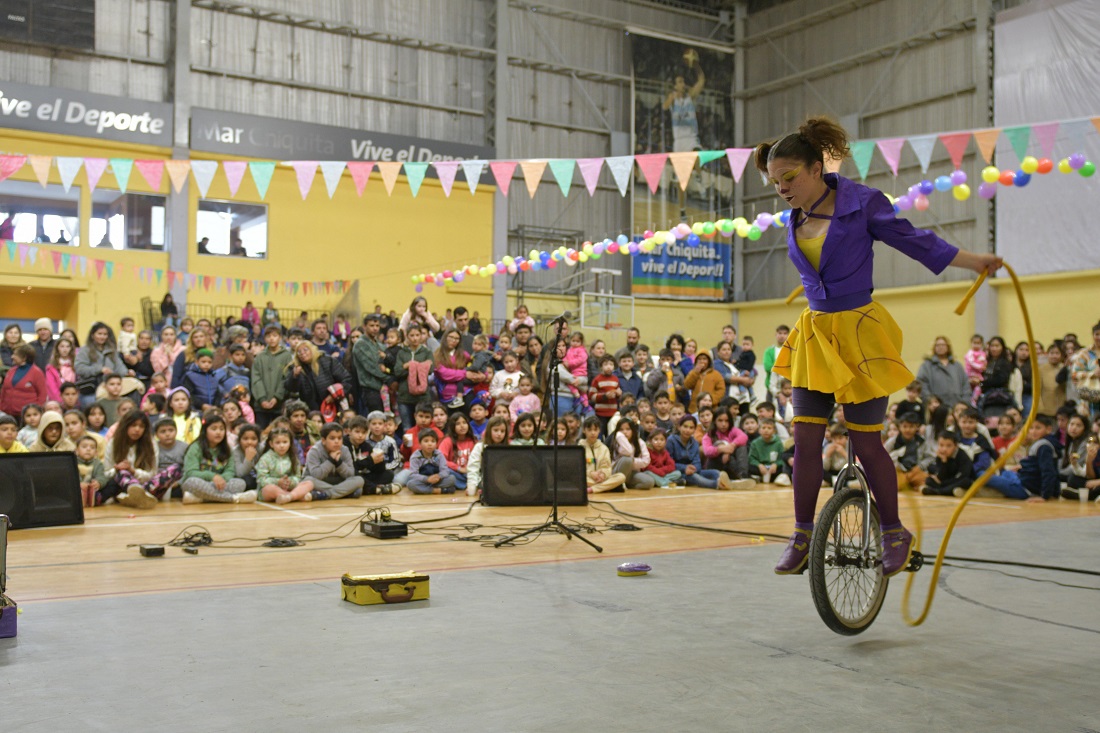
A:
848, 597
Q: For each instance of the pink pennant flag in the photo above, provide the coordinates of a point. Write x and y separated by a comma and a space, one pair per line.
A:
1046, 134
152, 171
99, 265
177, 172
390, 170
41, 166
10, 164
56, 256
590, 172
956, 143
652, 165
532, 174
891, 150
683, 163
503, 170
446, 170
360, 172
305, 171
93, 169
23, 255
171, 278
738, 157
234, 173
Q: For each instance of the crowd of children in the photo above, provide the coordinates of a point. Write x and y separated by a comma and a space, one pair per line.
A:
240, 414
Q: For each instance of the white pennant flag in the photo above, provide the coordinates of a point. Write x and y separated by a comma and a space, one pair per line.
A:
473, 169
203, 171
620, 168
68, 168
331, 171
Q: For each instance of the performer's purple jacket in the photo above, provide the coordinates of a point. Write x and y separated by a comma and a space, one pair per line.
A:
861, 215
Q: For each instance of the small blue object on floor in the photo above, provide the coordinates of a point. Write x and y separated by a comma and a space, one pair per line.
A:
630, 569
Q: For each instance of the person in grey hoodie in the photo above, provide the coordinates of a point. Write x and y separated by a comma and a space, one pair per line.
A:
330, 468
96, 359
941, 375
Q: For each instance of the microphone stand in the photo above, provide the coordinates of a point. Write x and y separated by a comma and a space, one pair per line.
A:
553, 522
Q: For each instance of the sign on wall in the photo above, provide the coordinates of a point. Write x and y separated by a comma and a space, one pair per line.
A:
231, 133
683, 271
82, 114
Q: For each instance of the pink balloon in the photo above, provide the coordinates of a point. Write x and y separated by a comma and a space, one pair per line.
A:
921, 203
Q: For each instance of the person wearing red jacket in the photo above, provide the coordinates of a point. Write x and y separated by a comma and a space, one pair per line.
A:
661, 465
24, 384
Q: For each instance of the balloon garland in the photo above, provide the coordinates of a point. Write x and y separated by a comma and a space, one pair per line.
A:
916, 197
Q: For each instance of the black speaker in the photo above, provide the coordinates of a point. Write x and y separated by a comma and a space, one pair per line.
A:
40, 489
520, 475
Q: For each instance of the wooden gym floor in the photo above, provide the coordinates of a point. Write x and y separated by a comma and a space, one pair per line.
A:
100, 558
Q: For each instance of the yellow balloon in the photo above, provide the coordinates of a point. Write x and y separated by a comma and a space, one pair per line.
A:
990, 174
743, 230
697, 228
961, 192
1029, 164
1064, 166
739, 222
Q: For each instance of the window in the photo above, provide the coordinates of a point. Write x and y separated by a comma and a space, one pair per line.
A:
36, 215
232, 229
127, 220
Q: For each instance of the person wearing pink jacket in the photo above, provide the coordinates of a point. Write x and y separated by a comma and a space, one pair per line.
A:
450, 369
725, 447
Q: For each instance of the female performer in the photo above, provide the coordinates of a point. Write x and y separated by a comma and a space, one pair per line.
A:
846, 347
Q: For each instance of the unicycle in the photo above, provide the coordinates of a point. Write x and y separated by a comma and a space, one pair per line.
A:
845, 560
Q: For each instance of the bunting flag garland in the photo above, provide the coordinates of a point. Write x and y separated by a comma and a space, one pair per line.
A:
590, 172
562, 169
152, 171
360, 173
177, 173
446, 170
1048, 136
40, 164
332, 171
203, 172
891, 151
414, 175
473, 169
683, 163
94, 168
532, 174
389, 171
652, 166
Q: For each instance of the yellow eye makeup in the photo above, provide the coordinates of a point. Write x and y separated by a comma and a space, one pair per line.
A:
788, 176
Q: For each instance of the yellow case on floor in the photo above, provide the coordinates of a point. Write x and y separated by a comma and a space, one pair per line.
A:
368, 590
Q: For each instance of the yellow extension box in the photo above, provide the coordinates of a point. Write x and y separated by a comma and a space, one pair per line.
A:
368, 590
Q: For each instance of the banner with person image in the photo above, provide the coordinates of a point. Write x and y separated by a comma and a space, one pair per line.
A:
682, 104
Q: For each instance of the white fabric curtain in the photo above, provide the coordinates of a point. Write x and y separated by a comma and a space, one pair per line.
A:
1047, 67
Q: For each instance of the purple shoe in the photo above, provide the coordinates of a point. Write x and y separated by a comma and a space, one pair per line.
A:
897, 547
793, 559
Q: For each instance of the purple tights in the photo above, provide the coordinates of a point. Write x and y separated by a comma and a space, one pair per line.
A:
808, 470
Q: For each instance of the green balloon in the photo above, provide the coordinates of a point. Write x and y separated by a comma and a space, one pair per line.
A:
1087, 169
754, 233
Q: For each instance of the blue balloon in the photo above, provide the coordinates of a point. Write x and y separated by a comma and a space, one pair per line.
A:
621, 240
1021, 179
785, 215
943, 183
544, 257
535, 266
927, 187
896, 210
693, 239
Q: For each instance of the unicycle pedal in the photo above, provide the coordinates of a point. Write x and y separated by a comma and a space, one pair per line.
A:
916, 562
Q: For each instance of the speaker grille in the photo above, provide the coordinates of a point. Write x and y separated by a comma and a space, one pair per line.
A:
524, 476
40, 489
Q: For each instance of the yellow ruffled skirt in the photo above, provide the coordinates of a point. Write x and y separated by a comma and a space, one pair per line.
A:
854, 355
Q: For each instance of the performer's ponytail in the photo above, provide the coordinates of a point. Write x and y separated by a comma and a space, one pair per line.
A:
816, 138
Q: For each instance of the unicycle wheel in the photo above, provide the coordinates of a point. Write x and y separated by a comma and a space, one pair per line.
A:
845, 578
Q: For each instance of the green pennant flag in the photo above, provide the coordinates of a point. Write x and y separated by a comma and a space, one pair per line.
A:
862, 150
706, 156
110, 270
160, 274
261, 175
65, 261
414, 173
121, 168
11, 250
267, 284
1019, 137
562, 168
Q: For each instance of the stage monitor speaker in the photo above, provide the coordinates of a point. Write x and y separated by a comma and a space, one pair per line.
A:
517, 475
40, 489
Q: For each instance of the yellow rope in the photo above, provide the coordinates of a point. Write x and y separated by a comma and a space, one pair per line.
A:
989, 472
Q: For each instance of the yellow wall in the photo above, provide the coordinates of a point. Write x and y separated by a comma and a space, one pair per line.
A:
378, 239
1057, 304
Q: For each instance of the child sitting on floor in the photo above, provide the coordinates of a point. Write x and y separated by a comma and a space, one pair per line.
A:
428, 468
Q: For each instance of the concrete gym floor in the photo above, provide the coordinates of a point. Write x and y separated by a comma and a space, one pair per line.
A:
709, 641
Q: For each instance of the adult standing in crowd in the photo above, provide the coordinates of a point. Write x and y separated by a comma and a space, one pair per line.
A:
98, 358
781, 333
43, 345
169, 313
1085, 372
1052, 380
24, 384
13, 338
312, 373
165, 353
321, 338
368, 355
941, 375
462, 325
418, 313
268, 376
199, 339
633, 338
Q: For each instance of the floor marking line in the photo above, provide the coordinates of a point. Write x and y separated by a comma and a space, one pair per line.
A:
266, 505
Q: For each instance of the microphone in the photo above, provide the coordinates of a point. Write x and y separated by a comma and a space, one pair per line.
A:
562, 318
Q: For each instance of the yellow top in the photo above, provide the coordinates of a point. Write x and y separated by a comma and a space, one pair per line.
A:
812, 249
16, 447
